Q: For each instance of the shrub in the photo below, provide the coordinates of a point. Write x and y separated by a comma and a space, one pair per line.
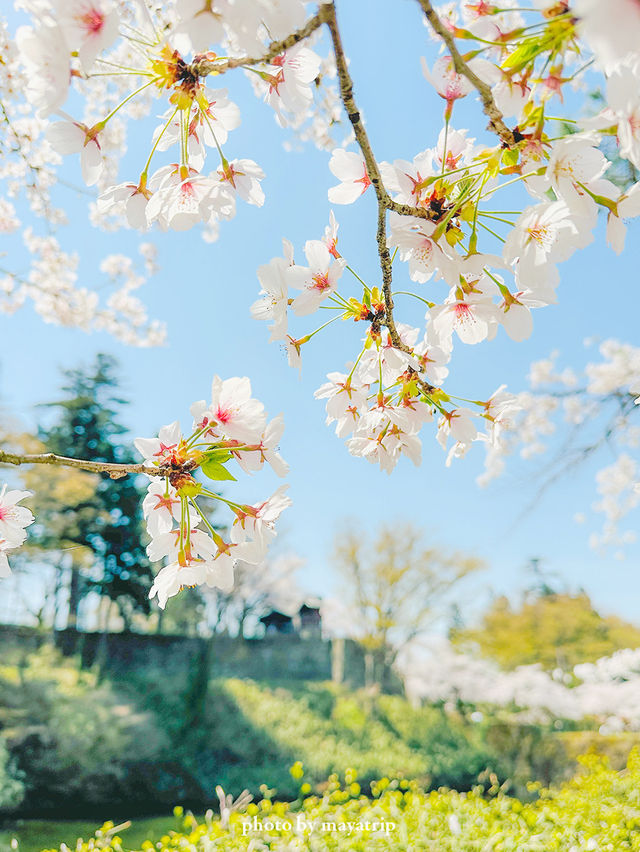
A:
599, 809
71, 737
11, 785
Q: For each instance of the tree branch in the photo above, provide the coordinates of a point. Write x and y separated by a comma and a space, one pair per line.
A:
115, 471
326, 14
202, 66
496, 119
385, 202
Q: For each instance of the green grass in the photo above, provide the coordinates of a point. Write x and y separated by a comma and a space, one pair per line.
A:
35, 835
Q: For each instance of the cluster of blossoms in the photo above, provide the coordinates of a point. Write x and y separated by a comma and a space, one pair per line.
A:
51, 285
231, 427
389, 393
28, 179
608, 690
600, 407
442, 207
13, 520
439, 214
123, 57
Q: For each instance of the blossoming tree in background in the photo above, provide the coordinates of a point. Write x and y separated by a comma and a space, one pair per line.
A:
83, 73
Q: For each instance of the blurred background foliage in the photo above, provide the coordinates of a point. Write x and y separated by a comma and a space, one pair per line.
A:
82, 737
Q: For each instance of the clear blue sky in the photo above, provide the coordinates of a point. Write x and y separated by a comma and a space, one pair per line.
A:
204, 292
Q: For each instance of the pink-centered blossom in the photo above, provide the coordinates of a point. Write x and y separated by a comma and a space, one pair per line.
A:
351, 171
232, 412
161, 507
255, 527
89, 27
289, 79
318, 280
445, 79
70, 137
266, 450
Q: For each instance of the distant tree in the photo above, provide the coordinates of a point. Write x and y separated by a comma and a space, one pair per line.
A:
96, 521
256, 590
184, 614
394, 589
555, 630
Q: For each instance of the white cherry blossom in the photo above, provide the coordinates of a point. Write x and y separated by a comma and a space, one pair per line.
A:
317, 281
89, 26
351, 171
69, 137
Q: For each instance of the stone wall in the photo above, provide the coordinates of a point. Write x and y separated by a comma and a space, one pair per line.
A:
274, 657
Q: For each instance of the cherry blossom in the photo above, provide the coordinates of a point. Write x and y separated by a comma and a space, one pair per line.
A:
623, 105
612, 30
165, 449
317, 281
128, 200
45, 55
232, 411
89, 26
243, 177
446, 81
415, 241
575, 162
469, 317
161, 507
344, 402
274, 281
439, 213
543, 235
202, 23
351, 171
13, 521
254, 525
174, 577
68, 137
288, 79
266, 450
231, 429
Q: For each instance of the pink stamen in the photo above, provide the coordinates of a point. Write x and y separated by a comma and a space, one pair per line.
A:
92, 21
321, 282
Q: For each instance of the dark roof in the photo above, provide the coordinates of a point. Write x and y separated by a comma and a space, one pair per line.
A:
275, 617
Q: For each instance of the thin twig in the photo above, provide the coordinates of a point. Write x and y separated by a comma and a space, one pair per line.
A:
496, 119
115, 471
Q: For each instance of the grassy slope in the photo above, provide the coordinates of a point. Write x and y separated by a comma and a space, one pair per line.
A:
35, 835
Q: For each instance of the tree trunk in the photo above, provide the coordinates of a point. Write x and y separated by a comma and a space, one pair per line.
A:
74, 598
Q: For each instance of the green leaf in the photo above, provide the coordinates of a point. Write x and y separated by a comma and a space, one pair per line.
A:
218, 454
524, 54
216, 471
510, 157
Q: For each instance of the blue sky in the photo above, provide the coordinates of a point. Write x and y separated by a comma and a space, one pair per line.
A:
204, 291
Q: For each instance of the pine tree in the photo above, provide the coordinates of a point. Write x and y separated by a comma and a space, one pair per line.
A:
105, 523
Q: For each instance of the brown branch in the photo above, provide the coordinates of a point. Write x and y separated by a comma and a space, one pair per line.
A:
496, 119
385, 202
115, 471
326, 14
202, 66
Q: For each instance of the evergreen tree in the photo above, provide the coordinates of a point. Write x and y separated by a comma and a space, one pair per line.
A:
104, 523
